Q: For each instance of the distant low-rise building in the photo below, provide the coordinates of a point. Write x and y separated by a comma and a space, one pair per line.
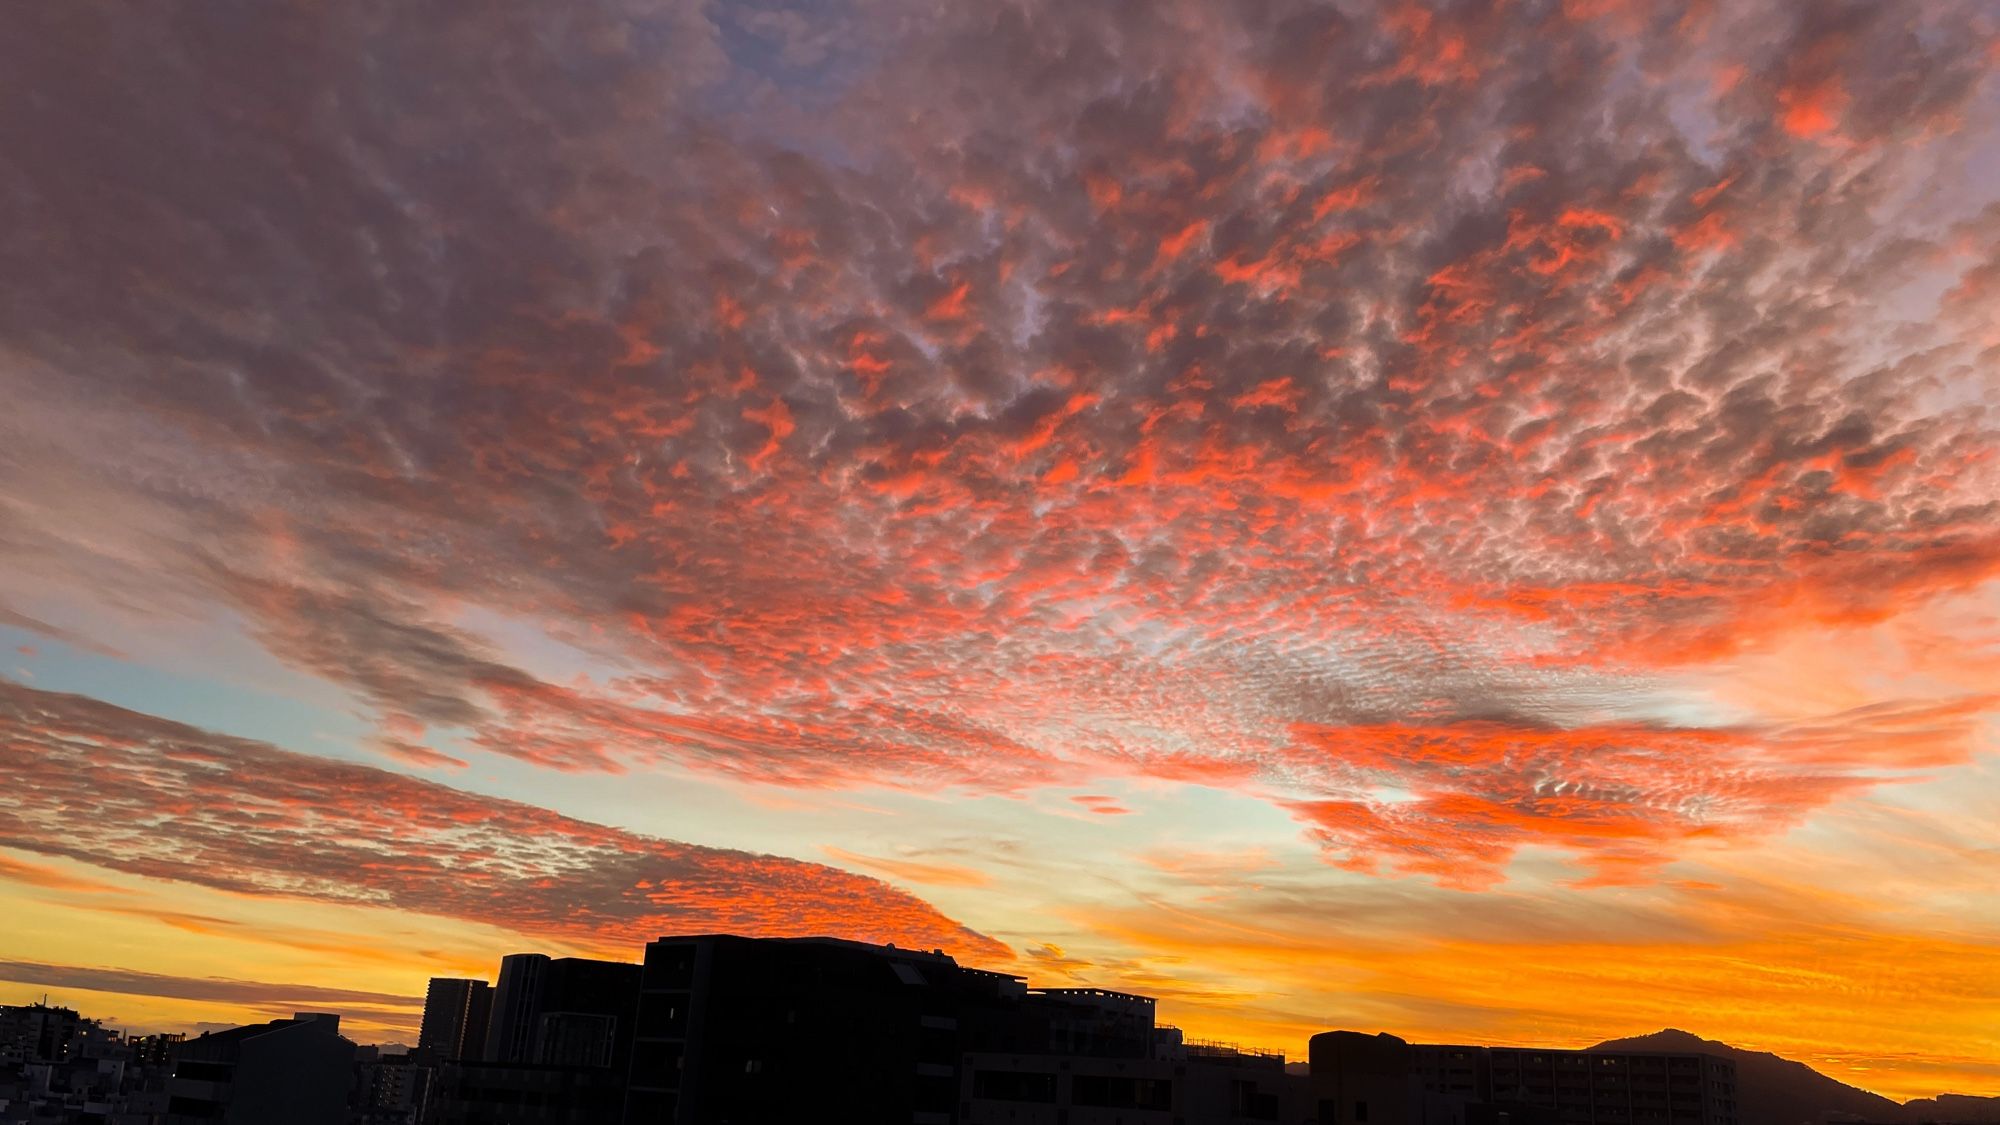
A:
42, 1033
154, 1050
1362, 1079
58, 1066
1203, 1084
389, 1088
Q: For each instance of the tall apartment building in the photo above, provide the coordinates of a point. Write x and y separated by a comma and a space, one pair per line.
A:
558, 1046
1382, 1080
554, 1010
456, 1012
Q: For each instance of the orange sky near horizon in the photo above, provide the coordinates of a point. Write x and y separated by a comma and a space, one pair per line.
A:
1473, 520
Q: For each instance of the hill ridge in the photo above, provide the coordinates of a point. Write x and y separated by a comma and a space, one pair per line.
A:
1774, 1090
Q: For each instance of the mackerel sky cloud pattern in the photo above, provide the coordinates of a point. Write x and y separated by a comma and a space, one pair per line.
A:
1401, 414
1445, 366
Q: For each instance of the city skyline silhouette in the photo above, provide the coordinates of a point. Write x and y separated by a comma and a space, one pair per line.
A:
1474, 520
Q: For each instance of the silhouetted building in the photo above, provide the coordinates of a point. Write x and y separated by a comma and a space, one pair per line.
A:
516, 1000
41, 1033
389, 1089
1616, 1086
1195, 1084
578, 1038
485, 1093
545, 1010
558, 1045
1094, 1022
456, 1013
800, 1029
1363, 1079
766, 1031
1382, 1080
285, 1072
154, 1050
58, 1066
1228, 1084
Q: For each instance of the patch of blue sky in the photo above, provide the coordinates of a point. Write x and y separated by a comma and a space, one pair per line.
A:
273, 705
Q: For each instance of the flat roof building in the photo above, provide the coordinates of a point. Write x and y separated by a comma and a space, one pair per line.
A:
801, 1029
781, 1030
544, 1008
285, 1072
558, 1046
1362, 1079
1195, 1084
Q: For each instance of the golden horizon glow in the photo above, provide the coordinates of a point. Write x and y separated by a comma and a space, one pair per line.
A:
1477, 521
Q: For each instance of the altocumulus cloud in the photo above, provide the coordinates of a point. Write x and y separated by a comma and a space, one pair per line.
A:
1282, 396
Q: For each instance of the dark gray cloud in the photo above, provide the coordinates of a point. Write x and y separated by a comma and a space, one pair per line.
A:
218, 990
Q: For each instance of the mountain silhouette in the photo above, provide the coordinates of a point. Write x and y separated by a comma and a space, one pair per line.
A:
1772, 1090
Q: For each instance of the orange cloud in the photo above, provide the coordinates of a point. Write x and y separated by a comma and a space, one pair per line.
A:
913, 871
182, 804
1813, 109
1626, 799
1400, 414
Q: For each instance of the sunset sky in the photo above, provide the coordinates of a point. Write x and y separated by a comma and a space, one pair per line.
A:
1473, 520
